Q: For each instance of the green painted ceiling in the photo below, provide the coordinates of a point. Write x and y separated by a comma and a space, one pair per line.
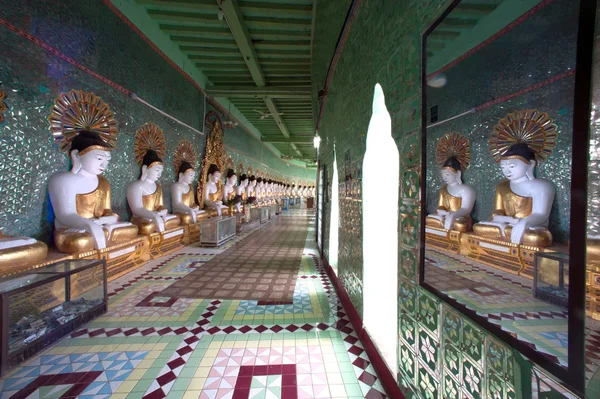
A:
470, 23
257, 56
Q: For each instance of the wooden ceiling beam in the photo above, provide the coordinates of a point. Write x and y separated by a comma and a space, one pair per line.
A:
257, 92
290, 140
241, 35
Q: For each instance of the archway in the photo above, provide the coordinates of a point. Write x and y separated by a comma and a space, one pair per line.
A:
380, 232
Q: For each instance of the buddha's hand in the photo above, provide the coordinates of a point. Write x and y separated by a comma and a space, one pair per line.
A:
518, 230
449, 220
159, 223
97, 233
108, 219
504, 219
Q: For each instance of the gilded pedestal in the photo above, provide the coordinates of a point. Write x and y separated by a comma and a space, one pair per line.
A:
161, 244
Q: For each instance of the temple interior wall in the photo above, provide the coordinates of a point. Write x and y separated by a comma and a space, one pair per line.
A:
91, 34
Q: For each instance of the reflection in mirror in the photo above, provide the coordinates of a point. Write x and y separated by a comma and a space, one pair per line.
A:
592, 324
498, 144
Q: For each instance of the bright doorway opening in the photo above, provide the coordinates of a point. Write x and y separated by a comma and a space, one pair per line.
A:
380, 232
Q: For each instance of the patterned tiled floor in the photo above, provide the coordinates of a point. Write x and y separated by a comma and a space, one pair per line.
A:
153, 346
507, 301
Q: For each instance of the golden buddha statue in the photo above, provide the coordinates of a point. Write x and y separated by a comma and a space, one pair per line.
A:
456, 199
213, 191
522, 204
182, 196
17, 253
145, 198
81, 199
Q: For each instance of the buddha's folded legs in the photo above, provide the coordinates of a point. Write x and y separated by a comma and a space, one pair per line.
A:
145, 227
433, 222
185, 218
463, 224
20, 257
536, 237
73, 242
124, 233
171, 223
487, 230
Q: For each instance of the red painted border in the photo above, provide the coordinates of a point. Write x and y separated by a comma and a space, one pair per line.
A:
388, 381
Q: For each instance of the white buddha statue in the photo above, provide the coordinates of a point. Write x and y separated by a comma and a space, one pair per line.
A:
251, 190
230, 196
182, 196
241, 189
522, 203
145, 198
456, 200
212, 190
81, 200
260, 190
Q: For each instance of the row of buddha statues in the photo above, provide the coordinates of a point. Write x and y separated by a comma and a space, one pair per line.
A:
81, 201
522, 202
250, 190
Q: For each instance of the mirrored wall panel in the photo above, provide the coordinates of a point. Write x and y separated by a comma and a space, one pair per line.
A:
497, 169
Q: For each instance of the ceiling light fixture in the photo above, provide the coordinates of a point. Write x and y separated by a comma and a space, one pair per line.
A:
220, 14
316, 141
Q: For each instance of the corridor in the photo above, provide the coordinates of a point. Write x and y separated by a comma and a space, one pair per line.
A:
258, 318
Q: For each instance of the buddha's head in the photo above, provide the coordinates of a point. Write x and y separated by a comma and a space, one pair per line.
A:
252, 181
231, 177
518, 162
259, 182
451, 171
244, 180
152, 166
214, 174
89, 153
186, 174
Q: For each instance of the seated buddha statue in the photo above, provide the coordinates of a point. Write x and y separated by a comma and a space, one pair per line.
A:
456, 200
259, 190
212, 191
251, 190
145, 198
241, 188
20, 252
80, 199
182, 196
522, 203
230, 197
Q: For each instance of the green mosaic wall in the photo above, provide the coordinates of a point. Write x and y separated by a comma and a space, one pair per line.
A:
441, 353
91, 34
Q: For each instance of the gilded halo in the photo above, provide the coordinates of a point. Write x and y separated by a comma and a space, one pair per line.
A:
184, 153
240, 169
532, 127
454, 145
149, 137
250, 171
229, 164
78, 110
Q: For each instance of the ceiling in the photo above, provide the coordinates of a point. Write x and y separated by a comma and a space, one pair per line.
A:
257, 54
470, 23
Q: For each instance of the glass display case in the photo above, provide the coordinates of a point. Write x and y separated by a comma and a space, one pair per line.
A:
551, 278
41, 306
